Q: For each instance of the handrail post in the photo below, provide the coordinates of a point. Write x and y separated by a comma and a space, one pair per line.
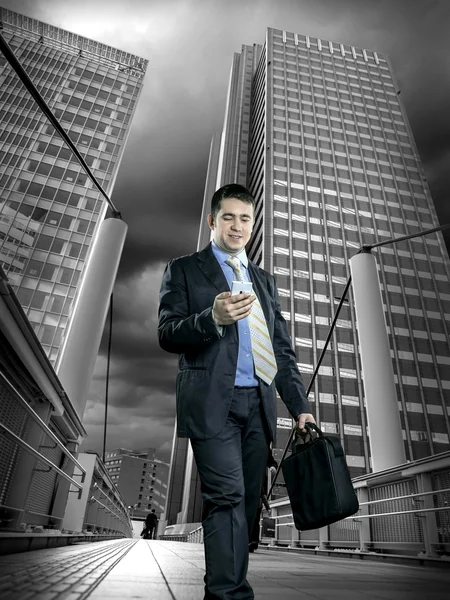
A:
272, 541
275, 516
324, 537
294, 536
429, 521
365, 537
62, 491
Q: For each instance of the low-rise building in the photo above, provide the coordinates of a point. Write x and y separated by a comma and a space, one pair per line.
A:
141, 478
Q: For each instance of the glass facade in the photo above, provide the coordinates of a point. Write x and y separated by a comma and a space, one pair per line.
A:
49, 208
333, 165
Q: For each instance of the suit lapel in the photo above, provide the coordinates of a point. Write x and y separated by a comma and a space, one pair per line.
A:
212, 270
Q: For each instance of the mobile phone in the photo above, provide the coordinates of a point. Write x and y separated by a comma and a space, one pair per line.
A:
241, 287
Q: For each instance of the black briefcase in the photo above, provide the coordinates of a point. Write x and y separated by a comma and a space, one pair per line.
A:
318, 481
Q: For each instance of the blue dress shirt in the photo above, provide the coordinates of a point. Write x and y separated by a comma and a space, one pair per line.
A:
245, 372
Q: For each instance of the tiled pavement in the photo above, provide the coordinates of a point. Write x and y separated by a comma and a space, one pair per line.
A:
160, 570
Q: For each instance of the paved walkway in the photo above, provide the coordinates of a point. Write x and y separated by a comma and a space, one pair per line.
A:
155, 570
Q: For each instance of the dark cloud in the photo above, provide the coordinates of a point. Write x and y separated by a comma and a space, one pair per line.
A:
159, 189
164, 221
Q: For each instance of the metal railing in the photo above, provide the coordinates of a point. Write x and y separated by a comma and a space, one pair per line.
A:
179, 537
113, 512
404, 528
116, 515
119, 505
400, 512
96, 530
105, 524
17, 440
37, 419
195, 536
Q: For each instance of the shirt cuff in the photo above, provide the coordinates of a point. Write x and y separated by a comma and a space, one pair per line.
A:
220, 329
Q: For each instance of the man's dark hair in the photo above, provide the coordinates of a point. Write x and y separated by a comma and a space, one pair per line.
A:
232, 190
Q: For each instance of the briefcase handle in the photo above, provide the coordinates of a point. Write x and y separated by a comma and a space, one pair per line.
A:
315, 427
304, 436
308, 427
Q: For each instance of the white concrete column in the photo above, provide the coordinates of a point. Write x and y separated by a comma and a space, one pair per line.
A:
82, 341
187, 484
385, 431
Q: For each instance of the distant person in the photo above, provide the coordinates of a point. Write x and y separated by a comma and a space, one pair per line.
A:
234, 353
151, 525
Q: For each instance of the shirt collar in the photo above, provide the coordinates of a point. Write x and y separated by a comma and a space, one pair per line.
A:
222, 256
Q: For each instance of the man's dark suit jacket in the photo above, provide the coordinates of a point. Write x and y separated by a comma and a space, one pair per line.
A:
207, 361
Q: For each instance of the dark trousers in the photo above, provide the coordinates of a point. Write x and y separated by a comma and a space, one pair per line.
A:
254, 536
149, 533
231, 467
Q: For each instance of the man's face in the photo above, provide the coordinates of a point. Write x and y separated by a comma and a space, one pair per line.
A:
233, 225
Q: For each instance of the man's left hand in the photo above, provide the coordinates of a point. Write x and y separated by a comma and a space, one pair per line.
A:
304, 418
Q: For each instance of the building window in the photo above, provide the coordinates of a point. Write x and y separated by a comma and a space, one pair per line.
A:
327, 398
418, 436
329, 427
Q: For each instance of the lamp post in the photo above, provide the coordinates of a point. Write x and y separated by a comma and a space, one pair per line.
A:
132, 509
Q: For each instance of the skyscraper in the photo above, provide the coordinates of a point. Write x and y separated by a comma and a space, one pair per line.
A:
317, 131
49, 209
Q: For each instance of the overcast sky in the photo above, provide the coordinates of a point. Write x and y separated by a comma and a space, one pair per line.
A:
190, 45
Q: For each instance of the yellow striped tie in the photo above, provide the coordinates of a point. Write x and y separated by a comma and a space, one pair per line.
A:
263, 356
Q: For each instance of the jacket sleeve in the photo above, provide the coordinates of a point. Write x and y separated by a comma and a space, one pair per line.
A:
179, 331
288, 380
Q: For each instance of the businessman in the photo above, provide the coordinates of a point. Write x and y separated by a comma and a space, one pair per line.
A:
234, 351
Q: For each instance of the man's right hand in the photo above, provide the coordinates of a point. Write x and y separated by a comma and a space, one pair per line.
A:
228, 309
